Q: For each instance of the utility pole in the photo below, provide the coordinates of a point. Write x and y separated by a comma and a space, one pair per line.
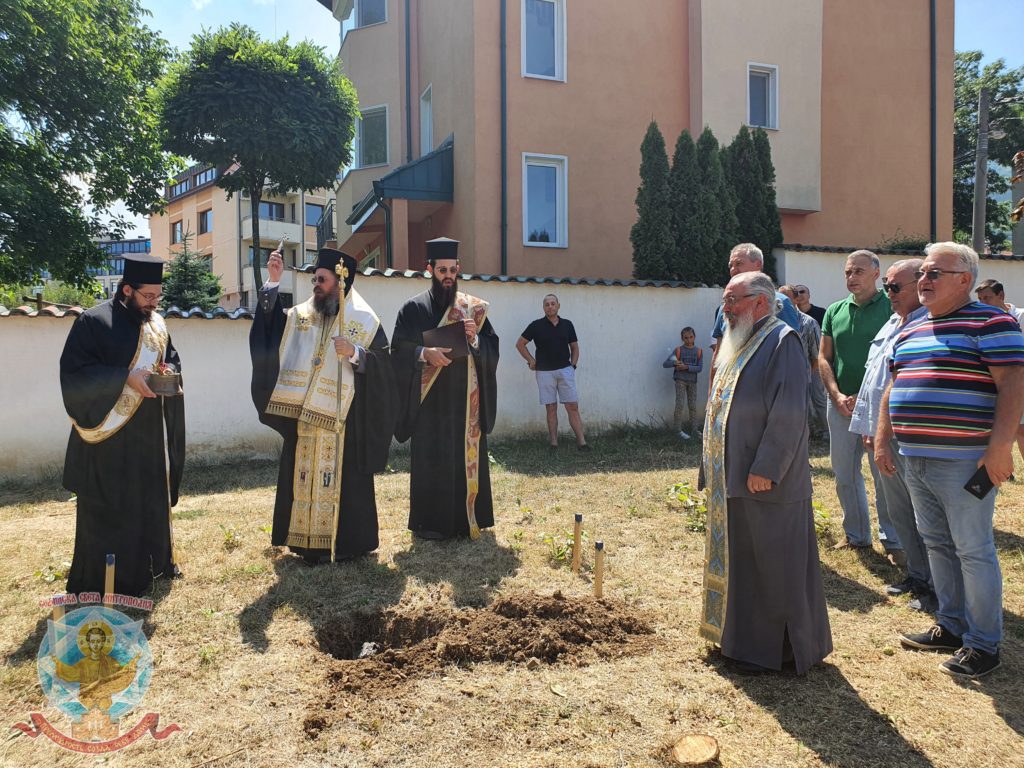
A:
980, 174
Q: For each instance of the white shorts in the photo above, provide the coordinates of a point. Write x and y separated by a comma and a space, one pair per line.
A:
557, 386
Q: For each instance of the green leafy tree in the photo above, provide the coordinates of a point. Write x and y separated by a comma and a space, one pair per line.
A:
716, 229
651, 235
54, 292
684, 182
189, 282
76, 126
1006, 113
276, 117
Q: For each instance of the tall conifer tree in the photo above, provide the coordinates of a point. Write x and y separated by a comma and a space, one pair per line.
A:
651, 235
715, 232
684, 183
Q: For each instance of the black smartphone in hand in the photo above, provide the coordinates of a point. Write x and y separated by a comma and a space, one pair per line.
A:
980, 483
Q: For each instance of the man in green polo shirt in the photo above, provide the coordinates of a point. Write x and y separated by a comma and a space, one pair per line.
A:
847, 331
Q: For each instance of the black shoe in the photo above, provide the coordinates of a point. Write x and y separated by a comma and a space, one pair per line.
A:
552, 449
584, 447
924, 599
907, 585
970, 662
938, 638
746, 667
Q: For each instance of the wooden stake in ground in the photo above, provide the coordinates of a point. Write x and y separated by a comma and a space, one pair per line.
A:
108, 582
598, 569
695, 749
577, 543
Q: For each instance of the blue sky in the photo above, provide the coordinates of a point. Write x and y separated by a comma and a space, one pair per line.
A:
980, 25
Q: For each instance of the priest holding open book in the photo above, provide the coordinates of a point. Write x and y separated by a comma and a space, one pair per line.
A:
445, 354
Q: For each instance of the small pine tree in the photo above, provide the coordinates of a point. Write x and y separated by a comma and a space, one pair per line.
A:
684, 183
715, 233
742, 168
651, 235
189, 282
772, 221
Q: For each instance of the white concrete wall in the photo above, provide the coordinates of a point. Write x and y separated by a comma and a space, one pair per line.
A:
823, 273
624, 332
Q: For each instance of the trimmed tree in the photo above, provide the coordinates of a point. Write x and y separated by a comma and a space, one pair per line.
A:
772, 221
274, 116
757, 217
684, 182
651, 235
715, 228
189, 282
77, 127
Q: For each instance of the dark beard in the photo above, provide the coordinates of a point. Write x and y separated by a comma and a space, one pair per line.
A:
442, 297
326, 305
137, 314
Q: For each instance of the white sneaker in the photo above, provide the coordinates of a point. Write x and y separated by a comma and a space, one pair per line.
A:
683, 435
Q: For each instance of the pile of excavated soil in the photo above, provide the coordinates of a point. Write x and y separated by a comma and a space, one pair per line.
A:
377, 653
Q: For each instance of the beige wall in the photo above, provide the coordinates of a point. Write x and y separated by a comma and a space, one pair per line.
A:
788, 35
875, 124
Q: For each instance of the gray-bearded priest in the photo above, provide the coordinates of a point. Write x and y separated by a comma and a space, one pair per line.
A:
763, 599
127, 446
322, 377
447, 406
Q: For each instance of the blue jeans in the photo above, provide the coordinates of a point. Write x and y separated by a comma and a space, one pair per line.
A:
957, 530
901, 513
847, 452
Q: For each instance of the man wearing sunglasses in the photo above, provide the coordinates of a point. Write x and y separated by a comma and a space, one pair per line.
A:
127, 446
846, 335
953, 405
901, 287
803, 303
447, 396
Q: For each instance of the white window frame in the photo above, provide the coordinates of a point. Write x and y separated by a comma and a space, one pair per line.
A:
371, 259
560, 42
427, 120
357, 10
356, 159
772, 70
561, 164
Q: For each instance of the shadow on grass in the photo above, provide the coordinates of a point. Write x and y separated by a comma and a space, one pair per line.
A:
1008, 543
825, 714
473, 568
847, 594
1004, 686
202, 477
29, 647
39, 490
320, 593
620, 449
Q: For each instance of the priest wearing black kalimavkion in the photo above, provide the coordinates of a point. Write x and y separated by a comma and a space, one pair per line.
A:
127, 445
322, 377
448, 397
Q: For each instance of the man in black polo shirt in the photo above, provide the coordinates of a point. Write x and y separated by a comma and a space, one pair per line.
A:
558, 352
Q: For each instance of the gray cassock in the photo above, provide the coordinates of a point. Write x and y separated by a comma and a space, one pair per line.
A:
774, 574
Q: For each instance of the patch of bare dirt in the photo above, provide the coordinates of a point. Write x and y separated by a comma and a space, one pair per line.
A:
397, 646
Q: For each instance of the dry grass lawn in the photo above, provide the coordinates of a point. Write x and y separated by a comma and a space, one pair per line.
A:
240, 660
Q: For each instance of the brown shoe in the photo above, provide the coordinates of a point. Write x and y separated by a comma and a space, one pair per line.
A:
845, 544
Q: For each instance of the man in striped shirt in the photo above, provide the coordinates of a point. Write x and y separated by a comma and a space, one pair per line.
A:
954, 404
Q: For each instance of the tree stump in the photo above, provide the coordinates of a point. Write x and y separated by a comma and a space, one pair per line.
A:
695, 750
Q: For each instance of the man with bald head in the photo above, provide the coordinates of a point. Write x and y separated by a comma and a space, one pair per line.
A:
763, 601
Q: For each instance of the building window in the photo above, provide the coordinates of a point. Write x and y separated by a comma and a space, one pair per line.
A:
313, 213
426, 121
272, 211
544, 39
371, 260
177, 232
310, 257
206, 221
545, 209
205, 177
372, 137
763, 95
180, 188
371, 12
264, 251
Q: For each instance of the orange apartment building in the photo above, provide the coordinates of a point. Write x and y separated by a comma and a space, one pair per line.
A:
515, 125
221, 229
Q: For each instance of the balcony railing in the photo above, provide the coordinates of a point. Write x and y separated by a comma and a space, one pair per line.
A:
325, 226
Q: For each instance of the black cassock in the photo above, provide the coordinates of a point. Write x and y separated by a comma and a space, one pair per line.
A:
368, 429
124, 485
437, 503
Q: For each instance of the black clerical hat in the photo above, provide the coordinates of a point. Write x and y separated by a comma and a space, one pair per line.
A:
339, 263
442, 248
142, 269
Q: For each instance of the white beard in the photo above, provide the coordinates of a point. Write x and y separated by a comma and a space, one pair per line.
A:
733, 339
